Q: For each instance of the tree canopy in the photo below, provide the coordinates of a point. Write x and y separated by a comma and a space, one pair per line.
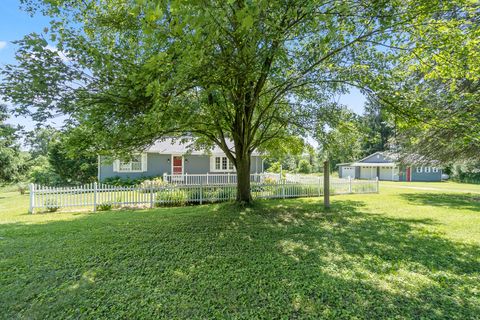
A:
256, 72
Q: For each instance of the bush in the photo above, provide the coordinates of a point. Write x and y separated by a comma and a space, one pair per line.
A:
51, 205
275, 167
304, 166
156, 183
105, 206
171, 197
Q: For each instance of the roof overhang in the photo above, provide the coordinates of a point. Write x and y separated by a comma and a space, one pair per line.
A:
371, 164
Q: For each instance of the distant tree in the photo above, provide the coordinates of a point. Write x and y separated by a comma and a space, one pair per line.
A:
340, 137
38, 141
71, 169
13, 163
376, 126
304, 166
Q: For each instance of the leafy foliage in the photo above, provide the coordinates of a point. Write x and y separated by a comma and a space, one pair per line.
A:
13, 162
304, 166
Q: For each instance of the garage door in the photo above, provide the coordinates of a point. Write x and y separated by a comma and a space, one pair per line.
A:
369, 173
386, 174
348, 172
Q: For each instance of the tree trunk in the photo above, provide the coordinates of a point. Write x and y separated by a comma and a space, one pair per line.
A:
243, 179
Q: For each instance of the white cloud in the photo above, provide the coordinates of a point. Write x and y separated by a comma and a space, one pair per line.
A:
61, 54
3, 44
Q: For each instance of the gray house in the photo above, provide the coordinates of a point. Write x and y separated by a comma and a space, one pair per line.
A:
384, 167
169, 156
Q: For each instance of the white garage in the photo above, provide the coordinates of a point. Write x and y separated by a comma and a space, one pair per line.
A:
348, 172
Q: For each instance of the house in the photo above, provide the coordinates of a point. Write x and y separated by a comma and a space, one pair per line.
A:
171, 156
385, 167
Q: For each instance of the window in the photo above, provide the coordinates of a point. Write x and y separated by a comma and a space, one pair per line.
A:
223, 164
137, 163
435, 169
428, 169
419, 169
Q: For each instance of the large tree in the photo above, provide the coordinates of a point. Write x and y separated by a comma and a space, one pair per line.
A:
256, 72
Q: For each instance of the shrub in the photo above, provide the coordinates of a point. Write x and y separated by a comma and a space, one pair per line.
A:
105, 206
304, 166
51, 205
171, 197
275, 167
156, 183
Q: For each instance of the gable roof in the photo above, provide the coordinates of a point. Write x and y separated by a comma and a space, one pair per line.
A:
177, 146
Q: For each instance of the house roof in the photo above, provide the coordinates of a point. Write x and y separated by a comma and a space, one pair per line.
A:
177, 146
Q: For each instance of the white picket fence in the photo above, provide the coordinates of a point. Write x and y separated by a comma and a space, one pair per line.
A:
216, 178
99, 196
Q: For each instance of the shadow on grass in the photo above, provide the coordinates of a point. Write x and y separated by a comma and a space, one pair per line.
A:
450, 200
276, 259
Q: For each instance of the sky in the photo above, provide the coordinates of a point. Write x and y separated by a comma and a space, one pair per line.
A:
15, 23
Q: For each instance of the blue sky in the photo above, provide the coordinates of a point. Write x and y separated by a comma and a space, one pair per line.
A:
15, 23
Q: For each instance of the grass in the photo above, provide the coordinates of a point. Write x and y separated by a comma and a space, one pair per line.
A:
405, 253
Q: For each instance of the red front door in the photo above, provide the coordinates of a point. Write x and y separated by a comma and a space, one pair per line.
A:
177, 167
408, 173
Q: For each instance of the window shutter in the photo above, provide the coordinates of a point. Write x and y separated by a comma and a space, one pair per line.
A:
116, 165
144, 162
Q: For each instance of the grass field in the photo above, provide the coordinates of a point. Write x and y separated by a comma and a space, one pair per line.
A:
412, 251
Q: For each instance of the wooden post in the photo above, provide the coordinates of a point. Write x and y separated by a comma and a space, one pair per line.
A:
378, 184
349, 184
326, 184
32, 198
201, 192
94, 197
151, 194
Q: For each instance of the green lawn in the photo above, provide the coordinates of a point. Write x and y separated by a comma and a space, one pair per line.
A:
412, 251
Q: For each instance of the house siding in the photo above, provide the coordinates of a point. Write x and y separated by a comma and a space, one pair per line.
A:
426, 176
158, 164
376, 158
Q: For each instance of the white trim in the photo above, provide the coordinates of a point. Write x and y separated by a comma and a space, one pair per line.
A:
143, 164
419, 169
213, 162
171, 163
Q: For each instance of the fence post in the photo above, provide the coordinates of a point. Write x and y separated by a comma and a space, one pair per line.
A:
94, 197
349, 184
283, 188
32, 198
378, 184
326, 184
151, 194
201, 191
207, 177
165, 177
319, 185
